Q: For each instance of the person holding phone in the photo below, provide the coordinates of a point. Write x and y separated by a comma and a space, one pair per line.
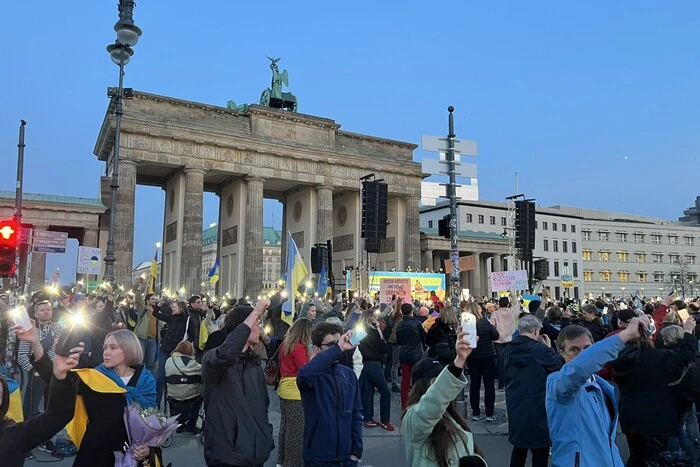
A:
410, 336
374, 352
331, 399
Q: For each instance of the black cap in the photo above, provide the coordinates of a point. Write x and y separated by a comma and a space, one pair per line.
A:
626, 315
427, 368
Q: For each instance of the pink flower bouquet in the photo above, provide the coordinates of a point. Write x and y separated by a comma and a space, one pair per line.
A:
144, 426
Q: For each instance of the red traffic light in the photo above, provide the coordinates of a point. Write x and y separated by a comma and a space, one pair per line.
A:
9, 245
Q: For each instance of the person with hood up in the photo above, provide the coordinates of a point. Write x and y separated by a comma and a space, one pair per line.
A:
528, 360
236, 434
19, 438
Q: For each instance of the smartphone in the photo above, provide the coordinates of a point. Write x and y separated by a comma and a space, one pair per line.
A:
71, 336
358, 334
21, 318
469, 326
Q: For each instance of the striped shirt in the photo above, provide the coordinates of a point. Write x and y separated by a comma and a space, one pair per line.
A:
51, 330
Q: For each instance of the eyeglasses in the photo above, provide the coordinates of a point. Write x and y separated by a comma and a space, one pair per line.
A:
329, 345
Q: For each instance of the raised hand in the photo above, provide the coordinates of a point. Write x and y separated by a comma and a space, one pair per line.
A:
62, 365
544, 338
463, 349
344, 342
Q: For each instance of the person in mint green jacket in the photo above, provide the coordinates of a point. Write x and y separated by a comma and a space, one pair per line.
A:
435, 434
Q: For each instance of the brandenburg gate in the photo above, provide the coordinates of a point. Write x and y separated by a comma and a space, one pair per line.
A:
244, 155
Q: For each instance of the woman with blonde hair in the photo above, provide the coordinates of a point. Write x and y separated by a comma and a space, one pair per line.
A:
442, 336
293, 354
482, 365
183, 376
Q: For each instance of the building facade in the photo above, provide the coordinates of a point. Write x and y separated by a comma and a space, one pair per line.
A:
272, 258
622, 254
692, 214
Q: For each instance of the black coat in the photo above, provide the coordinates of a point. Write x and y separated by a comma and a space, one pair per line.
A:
17, 439
596, 327
441, 339
487, 333
373, 348
527, 363
647, 405
410, 336
177, 324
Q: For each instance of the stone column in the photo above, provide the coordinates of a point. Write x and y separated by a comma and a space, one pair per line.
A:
427, 261
412, 249
254, 237
475, 276
124, 228
324, 228
191, 256
37, 267
285, 238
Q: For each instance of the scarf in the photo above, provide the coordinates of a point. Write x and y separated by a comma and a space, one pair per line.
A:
144, 393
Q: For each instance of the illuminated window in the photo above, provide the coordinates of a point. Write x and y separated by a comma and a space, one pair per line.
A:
623, 276
641, 257
587, 275
622, 256
586, 255
603, 255
605, 276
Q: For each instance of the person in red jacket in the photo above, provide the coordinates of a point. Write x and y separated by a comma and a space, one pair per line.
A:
624, 318
660, 313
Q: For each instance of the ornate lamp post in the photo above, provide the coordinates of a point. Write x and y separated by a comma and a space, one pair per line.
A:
120, 52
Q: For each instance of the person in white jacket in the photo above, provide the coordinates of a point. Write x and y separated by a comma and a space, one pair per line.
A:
183, 376
505, 320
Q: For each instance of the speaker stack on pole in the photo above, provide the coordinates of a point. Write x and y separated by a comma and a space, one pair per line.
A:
525, 232
374, 214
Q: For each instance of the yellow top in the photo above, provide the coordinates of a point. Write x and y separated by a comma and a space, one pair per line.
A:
288, 390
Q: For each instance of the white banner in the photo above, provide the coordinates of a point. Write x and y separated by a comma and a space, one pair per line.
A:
508, 280
89, 260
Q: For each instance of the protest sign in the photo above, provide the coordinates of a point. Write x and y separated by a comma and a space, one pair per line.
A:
401, 287
508, 280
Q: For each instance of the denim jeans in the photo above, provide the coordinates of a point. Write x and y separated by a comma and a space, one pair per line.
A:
149, 348
160, 377
482, 368
682, 442
372, 377
500, 355
395, 363
36, 389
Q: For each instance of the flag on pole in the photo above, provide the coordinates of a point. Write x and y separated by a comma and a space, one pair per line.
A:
214, 272
323, 282
296, 273
153, 274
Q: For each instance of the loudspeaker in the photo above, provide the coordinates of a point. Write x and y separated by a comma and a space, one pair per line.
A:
319, 258
541, 269
525, 226
373, 245
375, 196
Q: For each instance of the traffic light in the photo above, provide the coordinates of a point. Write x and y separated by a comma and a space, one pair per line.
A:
9, 246
444, 226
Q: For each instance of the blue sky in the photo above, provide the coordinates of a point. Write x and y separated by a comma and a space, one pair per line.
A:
558, 91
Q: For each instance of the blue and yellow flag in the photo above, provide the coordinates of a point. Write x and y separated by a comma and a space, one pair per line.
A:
296, 273
153, 274
214, 272
323, 282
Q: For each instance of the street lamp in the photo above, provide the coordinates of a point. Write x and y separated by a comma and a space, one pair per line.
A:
120, 52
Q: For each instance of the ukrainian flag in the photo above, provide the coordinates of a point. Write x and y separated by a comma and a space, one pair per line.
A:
154, 273
323, 282
214, 272
296, 273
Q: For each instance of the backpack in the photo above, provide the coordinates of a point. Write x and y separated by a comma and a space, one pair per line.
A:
687, 387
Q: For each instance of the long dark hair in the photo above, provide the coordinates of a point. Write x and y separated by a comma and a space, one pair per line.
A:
444, 435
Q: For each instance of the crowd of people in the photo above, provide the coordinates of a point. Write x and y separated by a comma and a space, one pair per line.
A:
571, 373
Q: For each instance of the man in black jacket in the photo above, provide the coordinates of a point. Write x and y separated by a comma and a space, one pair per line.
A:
196, 313
410, 335
237, 431
528, 360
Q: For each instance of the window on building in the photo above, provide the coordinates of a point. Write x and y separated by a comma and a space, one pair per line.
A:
641, 257
267, 242
672, 240
492, 220
554, 226
622, 256
642, 277
481, 218
563, 227
469, 218
430, 225
621, 236
587, 275
545, 244
638, 238
557, 292
605, 276
623, 276
586, 255
658, 276
674, 258
585, 234
564, 246
555, 245
573, 228
689, 241
692, 279
574, 269
603, 236
655, 238
556, 268
690, 259
603, 255
657, 258
537, 226
504, 222
545, 226
576, 293
573, 247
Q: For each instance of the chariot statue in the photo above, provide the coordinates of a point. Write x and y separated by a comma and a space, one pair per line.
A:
273, 96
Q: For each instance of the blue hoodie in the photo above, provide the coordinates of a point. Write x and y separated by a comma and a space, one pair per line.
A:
582, 436
332, 409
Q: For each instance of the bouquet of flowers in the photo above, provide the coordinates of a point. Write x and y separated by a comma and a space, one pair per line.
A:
144, 426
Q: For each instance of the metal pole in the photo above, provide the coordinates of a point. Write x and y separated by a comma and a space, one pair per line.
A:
110, 258
455, 285
20, 174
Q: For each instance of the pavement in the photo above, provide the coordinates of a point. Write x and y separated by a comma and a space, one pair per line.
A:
381, 448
